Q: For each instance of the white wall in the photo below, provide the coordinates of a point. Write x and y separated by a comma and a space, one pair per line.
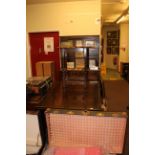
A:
108, 58
32, 130
69, 18
124, 42
28, 63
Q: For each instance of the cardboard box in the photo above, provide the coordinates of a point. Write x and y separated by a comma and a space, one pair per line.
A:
45, 68
39, 69
48, 68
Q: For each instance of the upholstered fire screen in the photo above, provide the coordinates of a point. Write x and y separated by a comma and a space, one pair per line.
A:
74, 130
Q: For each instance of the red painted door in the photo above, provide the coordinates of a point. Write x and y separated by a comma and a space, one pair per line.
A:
38, 54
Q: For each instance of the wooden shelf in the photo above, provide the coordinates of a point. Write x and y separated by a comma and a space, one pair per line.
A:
79, 47
69, 54
71, 57
74, 70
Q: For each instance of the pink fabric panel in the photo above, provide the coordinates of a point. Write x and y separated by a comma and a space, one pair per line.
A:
86, 131
92, 151
78, 151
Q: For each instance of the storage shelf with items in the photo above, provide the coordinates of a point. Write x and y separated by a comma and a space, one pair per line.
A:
113, 42
80, 58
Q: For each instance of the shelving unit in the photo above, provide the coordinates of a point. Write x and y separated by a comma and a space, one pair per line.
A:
80, 59
113, 42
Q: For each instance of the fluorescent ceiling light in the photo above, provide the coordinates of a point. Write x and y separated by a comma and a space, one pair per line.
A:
122, 18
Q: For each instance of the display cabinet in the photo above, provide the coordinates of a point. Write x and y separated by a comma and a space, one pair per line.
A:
80, 59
